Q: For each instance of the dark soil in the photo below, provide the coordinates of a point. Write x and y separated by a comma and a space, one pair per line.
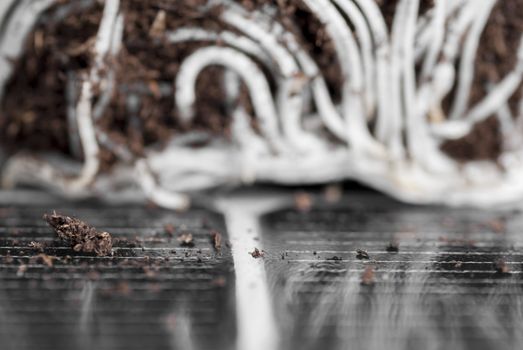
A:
33, 111
142, 112
482, 143
82, 237
388, 8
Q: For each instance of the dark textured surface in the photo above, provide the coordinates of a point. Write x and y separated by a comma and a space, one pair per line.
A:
441, 289
152, 294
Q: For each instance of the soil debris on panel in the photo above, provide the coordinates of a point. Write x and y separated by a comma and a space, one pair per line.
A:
216, 240
256, 253
80, 236
393, 247
362, 254
186, 240
501, 266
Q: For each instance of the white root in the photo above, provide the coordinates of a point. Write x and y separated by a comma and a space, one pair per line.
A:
352, 90
438, 35
328, 112
290, 88
466, 72
364, 37
241, 43
395, 124
249, 73
422, 147
71, 97
156, 193
499, 93
384, 81
424, 38
88, 139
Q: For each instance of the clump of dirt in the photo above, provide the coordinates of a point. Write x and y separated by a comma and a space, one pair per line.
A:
257, 253
362, 254
501, 266
393, 247
186, 239
82, 237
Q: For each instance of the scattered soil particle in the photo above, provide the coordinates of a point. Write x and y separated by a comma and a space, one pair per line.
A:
367, 277
43, 259
362, 254
333, 193
216, 240
257, 253
186, 239
82, 237
169, 230
335, 258
36, 246
393, 247
303, 202
501, 266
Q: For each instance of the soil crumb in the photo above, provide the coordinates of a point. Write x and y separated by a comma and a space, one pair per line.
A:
82, 237
393, 247
186, 240
257, 253
501, 266
216, 240
362, 254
